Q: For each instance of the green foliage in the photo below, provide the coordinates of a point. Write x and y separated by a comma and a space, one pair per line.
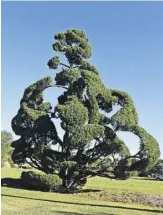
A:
73, 114
90, 146
97, 88
54, 62
149, 150
85, 65
33, 114
67, 76
18, 155
158, 167
134, 174
84, 135
74, 45
41, 181
126, 117
31, 106
45, 106
6, 138
6, 149
67, 164
33, 94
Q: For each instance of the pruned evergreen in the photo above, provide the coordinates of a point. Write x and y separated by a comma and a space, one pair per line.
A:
90, 145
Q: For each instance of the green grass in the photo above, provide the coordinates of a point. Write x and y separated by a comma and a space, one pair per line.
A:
23, 202
131, 185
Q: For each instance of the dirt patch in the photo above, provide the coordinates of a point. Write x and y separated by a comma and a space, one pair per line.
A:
126, 197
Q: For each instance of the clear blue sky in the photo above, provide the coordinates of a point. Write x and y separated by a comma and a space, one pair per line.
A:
127, 46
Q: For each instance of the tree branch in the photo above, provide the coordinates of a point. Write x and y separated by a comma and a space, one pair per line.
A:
134, 156
98, 173
30, 164
55, 85
59, 141
37, 166
65, 143
64, 65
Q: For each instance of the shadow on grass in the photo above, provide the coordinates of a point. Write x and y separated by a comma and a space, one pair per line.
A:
146, 179
72, 213
86, 204
14, 183
11, 182
17, 183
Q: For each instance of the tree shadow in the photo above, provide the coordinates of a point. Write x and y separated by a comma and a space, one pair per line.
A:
11, 182
146, 179
17, 183
87, 204
72, 213
88, 191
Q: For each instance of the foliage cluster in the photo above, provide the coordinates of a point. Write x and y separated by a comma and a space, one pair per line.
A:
41, 181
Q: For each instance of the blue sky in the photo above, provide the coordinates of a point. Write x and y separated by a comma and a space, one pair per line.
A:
127, 47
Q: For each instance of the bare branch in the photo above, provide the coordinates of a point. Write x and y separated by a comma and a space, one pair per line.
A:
55, 85
30, 163
64, 65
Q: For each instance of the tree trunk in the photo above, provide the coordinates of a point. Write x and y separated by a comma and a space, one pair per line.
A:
73, 183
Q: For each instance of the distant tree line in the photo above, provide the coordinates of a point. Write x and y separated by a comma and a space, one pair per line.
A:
6, 149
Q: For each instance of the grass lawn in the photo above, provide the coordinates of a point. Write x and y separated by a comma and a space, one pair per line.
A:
133, 185
23, 202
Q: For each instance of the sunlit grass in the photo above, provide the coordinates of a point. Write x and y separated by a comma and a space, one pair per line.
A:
131, 185
42, 203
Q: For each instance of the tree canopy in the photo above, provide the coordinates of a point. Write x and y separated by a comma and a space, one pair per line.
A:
90, 145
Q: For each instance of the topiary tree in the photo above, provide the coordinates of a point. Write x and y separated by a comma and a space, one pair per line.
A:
90, 145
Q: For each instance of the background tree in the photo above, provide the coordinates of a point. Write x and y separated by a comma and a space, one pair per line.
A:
6, 149
156, 169
90, 145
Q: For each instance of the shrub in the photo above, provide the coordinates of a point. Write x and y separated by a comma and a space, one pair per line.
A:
40, 181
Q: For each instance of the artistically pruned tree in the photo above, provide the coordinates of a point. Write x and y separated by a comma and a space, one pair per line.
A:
90, 145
